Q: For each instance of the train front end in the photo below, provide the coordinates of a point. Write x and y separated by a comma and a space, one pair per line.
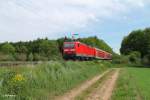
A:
69, 51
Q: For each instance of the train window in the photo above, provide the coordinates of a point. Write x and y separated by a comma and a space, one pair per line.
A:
69, 45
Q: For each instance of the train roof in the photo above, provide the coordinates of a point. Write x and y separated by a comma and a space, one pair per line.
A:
102, 50
79, 42
87, 45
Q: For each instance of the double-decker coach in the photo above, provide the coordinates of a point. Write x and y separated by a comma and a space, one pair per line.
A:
101, 54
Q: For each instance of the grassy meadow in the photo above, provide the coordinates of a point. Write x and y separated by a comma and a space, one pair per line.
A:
47, 80
133, 84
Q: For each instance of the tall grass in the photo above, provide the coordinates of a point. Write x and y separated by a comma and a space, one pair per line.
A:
47, 80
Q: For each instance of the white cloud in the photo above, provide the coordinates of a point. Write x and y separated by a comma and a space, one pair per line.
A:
29, 19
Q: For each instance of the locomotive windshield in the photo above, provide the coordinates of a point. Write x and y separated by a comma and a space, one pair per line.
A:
69, 45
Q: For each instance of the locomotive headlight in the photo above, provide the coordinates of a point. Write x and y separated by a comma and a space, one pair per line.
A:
66, 50
72, 49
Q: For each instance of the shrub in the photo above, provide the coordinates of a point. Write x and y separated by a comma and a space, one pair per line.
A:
13, 83
38, 57
120, 59
146, 60
135, 57
6, 57
30, 57
21, 57
7, 48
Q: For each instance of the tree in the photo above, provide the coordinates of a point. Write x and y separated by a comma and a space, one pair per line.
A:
135, 57
43, 49
38, 57
6, 57
60, 43
30, 57
120, 59
7, 48
146, 60
21, 57
21, 49
138, 40
147, 39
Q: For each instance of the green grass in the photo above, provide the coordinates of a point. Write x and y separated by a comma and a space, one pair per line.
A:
133, 84
47, 80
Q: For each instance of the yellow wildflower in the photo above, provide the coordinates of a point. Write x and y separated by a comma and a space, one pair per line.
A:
18, 77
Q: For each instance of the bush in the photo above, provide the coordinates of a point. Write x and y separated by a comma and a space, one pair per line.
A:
30, 57
132, 58
21, 57
38, 57
6, 57
7, 48
135, 57
120, 59
146, 60
13, 84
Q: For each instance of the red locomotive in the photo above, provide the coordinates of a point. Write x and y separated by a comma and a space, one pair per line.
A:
78, 50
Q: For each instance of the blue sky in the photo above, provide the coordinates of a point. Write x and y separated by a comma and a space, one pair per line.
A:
110, 20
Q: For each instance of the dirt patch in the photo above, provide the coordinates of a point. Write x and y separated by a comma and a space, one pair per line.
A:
76, 91
105, 89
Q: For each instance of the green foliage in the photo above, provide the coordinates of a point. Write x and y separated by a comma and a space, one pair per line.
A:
7, 51
6, 57
7, 48
135, 57
146, 60
13, 84
20, 57
138, 40
30, 57
43, 49
60, 44
21, 48
120, 59
39, 57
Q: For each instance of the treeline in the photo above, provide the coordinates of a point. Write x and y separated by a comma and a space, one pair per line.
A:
42, 49
98, 43
137, 46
